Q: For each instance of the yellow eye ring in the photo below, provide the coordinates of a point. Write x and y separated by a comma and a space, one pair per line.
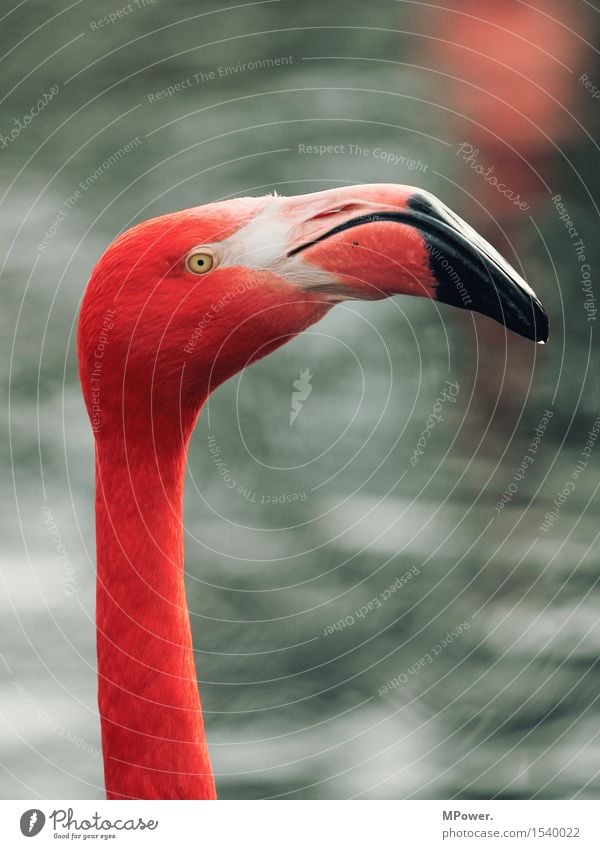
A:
201, 260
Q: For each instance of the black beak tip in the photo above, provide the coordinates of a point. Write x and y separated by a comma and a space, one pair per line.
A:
501, 300
470, 274
526, 318
529, 321
541, 325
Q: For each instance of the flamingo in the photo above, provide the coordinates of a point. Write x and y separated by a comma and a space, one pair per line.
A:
174, 307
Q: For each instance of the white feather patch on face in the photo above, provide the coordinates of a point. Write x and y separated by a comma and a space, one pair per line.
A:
262, 245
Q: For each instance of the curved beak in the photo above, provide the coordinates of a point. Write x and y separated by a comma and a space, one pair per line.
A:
372, 242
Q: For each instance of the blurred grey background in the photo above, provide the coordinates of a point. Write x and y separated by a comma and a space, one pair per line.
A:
477, 677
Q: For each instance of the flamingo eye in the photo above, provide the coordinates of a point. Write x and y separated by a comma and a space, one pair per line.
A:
201, 260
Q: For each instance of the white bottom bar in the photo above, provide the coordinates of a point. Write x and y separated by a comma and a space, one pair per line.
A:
301, 824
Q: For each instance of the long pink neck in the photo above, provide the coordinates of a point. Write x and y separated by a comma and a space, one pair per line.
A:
153, 737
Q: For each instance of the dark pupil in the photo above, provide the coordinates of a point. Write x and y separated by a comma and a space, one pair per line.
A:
200, 262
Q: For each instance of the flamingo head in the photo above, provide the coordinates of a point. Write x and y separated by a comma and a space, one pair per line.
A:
179, 303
